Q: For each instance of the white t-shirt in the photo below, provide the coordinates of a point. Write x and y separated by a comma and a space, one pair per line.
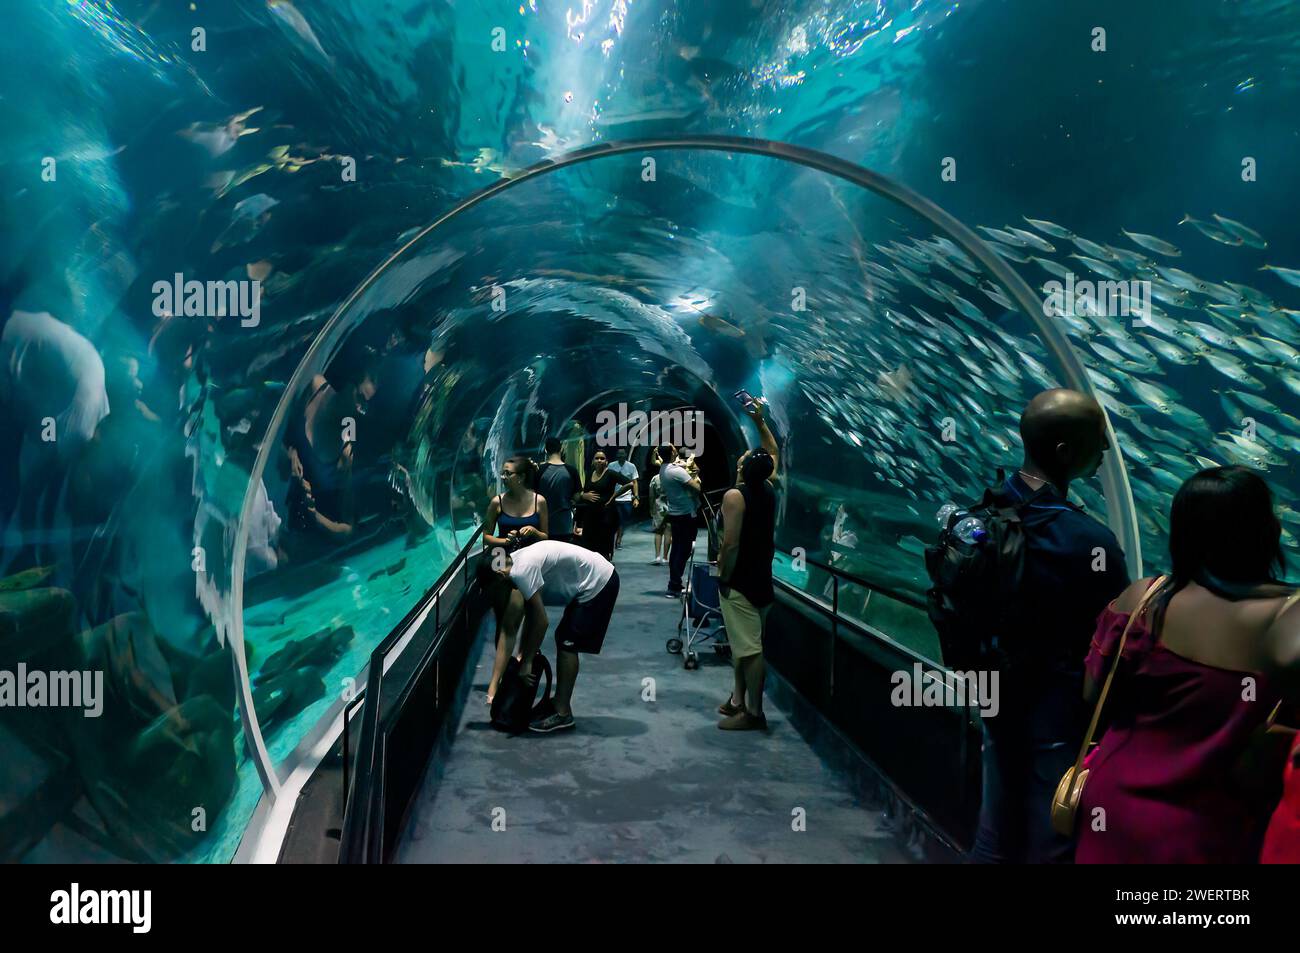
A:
563, 570
628, 470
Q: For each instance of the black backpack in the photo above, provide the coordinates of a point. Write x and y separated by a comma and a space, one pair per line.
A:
515, 704
974, 601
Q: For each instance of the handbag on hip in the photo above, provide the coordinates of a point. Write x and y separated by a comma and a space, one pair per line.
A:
1065, 802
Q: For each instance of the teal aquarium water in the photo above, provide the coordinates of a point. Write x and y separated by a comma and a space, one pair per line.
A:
221, 497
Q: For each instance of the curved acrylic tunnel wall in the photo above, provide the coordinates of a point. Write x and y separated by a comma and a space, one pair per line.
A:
482, 337
894, 360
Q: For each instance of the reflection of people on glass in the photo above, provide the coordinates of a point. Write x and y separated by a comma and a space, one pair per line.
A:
575, 448
843, 542
320, 447
52, 398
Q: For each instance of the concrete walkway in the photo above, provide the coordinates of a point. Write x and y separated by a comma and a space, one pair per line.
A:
638, 781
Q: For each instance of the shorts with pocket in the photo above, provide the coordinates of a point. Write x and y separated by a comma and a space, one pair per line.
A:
583, 626
744, 622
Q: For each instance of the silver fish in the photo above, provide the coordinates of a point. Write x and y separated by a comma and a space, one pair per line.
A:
1289, 275
1092, 249
1281, 351
1151, 243
1252, 349
1032, 240
1050, 228
1257, 298
1051, 267
1171, 352
1230, 367
1209, 231
995, 294
1247, 235
1006, 238
1179, 278
1154, 396
1211, 335
1100, 268
1009, 253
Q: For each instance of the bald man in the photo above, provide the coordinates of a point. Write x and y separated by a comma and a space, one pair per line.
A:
1073, 567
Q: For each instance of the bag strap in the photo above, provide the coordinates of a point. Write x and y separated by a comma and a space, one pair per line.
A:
1114, 665
1277, 709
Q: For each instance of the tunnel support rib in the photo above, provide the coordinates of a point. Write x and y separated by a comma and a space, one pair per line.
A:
1115, 485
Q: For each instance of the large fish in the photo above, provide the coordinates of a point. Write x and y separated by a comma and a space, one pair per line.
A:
295, 22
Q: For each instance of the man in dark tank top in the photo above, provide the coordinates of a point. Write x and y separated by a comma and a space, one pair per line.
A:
745, 576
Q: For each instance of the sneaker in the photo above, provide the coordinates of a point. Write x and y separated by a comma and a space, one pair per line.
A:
728, 709
744, 722
555, 722
673, 593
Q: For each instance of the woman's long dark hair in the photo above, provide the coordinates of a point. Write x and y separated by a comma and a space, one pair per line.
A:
1225, 537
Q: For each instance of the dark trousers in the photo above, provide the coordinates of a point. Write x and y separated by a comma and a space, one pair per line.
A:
1020, 775
684, 529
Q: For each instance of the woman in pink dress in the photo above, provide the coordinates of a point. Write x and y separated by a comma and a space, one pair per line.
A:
1200, 674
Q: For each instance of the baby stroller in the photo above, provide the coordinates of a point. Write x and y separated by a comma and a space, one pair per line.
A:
701, 617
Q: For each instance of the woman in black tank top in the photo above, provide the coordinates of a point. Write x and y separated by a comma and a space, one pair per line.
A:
751, 575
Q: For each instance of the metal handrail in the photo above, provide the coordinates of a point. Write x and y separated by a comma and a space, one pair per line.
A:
360, 840
930, 667
895, 594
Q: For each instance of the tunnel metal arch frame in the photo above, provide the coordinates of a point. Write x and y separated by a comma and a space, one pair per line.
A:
1114, 477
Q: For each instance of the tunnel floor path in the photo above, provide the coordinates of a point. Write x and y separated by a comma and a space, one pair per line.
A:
635, 780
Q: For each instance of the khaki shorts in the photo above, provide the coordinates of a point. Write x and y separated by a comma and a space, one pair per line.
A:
744, 624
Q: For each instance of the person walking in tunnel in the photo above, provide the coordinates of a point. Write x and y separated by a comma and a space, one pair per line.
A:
680, 479
629, 495
516, 517
519, 586
597, 517
745, 575
560, 485
1073, 567
658, 510
1183, 774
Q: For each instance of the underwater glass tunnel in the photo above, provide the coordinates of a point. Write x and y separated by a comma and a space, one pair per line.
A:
460, 229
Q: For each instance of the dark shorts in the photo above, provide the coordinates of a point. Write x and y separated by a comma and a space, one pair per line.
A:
583, 626
624, 512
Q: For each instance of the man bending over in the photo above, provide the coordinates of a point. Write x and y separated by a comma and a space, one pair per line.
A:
518, 585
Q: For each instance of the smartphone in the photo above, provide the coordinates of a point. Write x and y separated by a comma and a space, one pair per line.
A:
745, 397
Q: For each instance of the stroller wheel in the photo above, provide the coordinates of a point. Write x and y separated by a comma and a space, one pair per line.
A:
692, 662
674, 646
